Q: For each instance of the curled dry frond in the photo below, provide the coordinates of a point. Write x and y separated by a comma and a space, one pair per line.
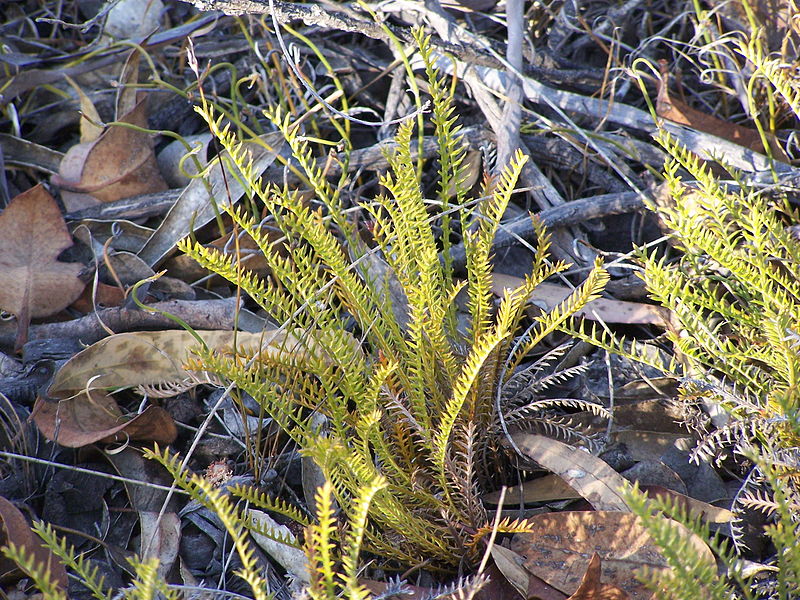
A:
506, 525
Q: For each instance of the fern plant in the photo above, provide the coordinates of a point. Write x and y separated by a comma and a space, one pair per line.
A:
407, 394
735, 297
734, 293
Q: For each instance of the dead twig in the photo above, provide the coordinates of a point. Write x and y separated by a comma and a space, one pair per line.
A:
200, 314
565, 215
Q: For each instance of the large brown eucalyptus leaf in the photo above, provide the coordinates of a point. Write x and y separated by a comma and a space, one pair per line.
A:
32, 282
154, 358
561, 544
118, 164
92, 417
14, 529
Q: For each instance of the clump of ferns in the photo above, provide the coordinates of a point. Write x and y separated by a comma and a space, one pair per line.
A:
406, 395
735, 297
771, 488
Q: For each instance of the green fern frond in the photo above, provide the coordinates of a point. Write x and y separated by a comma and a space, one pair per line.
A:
463, 386
451, 187
736, 291
320, 547
557, 318
478, 243
148, 585
640, 352
357, 527
39, 572
302, 152
772, 70
452, 151
259, 499
228, 513
88, 575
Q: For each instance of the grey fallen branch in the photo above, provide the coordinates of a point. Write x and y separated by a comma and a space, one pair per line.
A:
371, 158
198, 314
564, 215
316, 16
708, 146
508, 139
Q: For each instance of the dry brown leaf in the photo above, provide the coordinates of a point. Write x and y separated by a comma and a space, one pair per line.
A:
592, 588
291, 558
509, 564
99, 296
160, 538
150, 358
118, 164
541, 489
95, 417
560, 545
695, 508
473, 169
498, 587
679, 112
588, 475
647, 445
15, 530
548, 295
650, 415
124, 269
128, 94
90, 119
33, 283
